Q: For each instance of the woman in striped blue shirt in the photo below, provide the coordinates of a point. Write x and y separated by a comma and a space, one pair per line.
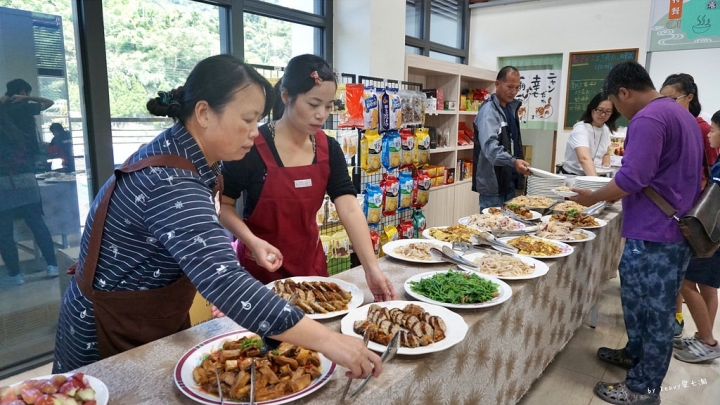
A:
158, 237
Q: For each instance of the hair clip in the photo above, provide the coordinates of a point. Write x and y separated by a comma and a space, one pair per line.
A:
316, 76
167, 99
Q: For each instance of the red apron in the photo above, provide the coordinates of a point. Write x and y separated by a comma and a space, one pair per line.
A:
284, 216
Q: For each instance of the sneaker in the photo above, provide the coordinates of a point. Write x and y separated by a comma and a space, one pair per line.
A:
678, 328
17, 279
681, 342
697, 351
52, 271
620, 394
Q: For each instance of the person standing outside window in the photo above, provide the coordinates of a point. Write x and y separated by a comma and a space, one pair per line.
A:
663, 150
497, 151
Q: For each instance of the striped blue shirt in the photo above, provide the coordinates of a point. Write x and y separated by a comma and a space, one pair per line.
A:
161, 224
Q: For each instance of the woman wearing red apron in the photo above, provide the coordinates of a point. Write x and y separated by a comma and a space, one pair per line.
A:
285, 177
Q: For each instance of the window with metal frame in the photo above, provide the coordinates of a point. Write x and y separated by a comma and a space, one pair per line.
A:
438, 28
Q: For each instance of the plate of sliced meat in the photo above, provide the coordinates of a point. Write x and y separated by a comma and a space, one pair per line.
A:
425, 328
319, 297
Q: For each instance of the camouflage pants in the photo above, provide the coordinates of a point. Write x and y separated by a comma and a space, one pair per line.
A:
650, 277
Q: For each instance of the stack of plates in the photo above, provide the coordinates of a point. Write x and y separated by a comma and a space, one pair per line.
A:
541, 183
591, 182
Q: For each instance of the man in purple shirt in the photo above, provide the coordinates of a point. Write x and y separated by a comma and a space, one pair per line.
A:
663, 150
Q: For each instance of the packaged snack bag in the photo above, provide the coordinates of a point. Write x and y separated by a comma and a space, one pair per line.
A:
327, 245
320, 216
422, 147
332, 214
407, 183
341, 244
391, 149
391, 194
407, 229
409, 113
375, 239
407, 139
421, 189
353, 116
370, 150
419, 222
373, 203
339, 101
371, 112
348, 140
390, 110
389, 234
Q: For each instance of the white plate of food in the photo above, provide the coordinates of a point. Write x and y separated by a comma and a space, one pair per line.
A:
568, 206
542, 173
506, 267
333, 300
185, 372
600, 222
539, 248
415, 286
413, 250
564, 191
564, 232
452, 233
532, 202
533, 215
455, 326
491, 222
76, 381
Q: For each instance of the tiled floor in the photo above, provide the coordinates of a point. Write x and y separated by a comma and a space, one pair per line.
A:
569, 380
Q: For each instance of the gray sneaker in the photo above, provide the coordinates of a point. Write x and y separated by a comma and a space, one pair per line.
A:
17, 279
697, 351
683, 342
678, 328
52, 271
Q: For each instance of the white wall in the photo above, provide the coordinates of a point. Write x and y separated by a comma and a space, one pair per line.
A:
369, 37
556, 26
702, 64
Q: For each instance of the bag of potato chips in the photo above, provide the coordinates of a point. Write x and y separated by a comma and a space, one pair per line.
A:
371, 112
422, 147
373, 203
407, 154
391, 194
327, 245
338, 106
389, 234
392, 147
421, 189
419, 222
390, 110
375, 239
407, 229
407, 183
370, 150
353, 116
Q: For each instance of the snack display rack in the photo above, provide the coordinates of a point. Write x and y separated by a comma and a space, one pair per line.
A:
456, 200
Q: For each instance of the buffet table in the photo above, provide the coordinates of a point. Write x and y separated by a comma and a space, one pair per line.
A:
506, 348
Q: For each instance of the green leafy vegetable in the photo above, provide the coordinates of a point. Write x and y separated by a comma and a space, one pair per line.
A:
275, 352
247, 343
456, 287
571, 213
513, 207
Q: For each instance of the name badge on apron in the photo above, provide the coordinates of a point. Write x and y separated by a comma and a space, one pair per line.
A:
303, 183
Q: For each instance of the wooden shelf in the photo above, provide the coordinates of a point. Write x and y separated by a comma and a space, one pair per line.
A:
465, 147
457, 183
440, 112
467, 112
442, 150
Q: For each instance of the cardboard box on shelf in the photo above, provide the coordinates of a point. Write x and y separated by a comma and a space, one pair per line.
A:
450, 176
438, 181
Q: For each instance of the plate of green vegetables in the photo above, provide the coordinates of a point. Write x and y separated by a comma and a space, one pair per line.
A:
458, 289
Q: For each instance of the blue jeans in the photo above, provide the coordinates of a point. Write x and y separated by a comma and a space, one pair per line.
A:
487, 201
651, 274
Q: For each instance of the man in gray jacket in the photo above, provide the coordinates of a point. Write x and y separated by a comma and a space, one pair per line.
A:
497, 152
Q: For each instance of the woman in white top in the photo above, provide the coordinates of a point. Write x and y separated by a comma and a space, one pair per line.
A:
589, 140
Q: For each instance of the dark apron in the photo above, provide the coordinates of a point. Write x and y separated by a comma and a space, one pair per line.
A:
128, 319
285, 215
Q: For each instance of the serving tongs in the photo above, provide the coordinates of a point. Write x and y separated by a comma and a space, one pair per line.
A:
593, 209
252, 382
466, 247
219, 387
366, 340
514, 216
449, 255
487, 238
389, 353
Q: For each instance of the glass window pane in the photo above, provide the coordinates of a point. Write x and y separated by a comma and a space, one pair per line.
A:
444, 56
414, 18
446, 17
43, 193
151, 47
308, 6
269, 41
413, 49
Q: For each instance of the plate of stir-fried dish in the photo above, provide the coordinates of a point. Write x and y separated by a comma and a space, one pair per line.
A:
413, 250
